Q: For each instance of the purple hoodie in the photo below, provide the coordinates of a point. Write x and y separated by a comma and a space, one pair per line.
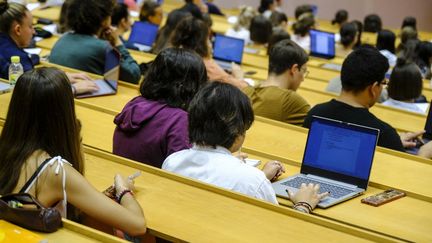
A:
148, 131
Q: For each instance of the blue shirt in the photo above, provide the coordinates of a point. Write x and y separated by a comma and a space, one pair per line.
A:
8, 48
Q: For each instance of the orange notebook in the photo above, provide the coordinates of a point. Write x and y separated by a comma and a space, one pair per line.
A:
10, 233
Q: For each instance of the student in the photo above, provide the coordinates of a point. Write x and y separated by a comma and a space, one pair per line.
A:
276, 97
266, 8
348, 39
219, 117
241, 27
154, 124
85, 47
260, 30
301, 28
407, 34
302, 9
62, 26
423, 58
195, 7
341, 17
16, 33
405, 87
278, 35
409, 22
372, 23
363, 78
386, 45
41, 129
279, 20
151, 12
213, 8
193, 34
120, 19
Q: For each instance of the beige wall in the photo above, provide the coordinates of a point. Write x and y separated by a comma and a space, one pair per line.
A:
392, 12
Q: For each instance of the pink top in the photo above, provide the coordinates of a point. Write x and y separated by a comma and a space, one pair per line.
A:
215, 72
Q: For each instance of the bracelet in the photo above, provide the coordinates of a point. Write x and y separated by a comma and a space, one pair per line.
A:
122, 193
304, 205
301, 209
73, 90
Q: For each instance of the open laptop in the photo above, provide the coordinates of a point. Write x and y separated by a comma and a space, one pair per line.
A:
338, 156
322, 44
227, 50
143, 35
107, 85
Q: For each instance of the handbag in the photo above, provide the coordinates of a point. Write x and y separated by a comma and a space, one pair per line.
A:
26, 211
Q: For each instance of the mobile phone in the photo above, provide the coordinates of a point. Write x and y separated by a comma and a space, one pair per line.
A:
383, 197
250, 72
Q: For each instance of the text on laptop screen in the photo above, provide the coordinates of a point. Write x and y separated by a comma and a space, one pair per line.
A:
143, 33
112, 67
322, 43
228, 49
340, 148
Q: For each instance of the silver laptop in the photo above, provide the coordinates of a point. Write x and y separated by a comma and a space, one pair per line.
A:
338, 156
227, 50
108, 85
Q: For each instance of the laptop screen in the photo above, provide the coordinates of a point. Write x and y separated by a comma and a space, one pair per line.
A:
112, 68
322, 44
428, 124
143, 33
228, 49
340, 151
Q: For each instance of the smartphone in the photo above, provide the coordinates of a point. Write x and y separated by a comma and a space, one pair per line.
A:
383, 197
250, 73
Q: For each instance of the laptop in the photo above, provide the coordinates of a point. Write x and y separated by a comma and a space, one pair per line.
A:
227, 50
322, 44
143, 35
338, 156
107, 85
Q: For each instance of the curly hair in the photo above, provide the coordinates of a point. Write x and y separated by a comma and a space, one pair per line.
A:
86, 17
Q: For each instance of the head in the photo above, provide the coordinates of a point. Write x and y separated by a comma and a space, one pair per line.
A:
41, 116
245, 17
349, 35
406, 81
151, 12
386, 41
409, 22
174, 77
359, 25
63, 26
219, 115
287, 58
304, 24
266, 5
341, 17
89, 17
120, 17
193, 34
17, 22
424, 54
260, 30
279, 19
278, 35
363, 72
302, 9
408, 33
372, 23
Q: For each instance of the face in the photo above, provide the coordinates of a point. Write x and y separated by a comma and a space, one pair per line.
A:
23, 32
157, 17
376, 90
126, 23
237, 144
298, 76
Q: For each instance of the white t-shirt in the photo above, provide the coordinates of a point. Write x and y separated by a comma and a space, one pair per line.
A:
303, 41
392, 58
241, 34
220, 168
414, 107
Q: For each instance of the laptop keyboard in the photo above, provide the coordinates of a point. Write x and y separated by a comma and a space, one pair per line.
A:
335, 191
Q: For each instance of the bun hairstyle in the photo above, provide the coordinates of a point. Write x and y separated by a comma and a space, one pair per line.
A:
305, 23
10, 12
348, 33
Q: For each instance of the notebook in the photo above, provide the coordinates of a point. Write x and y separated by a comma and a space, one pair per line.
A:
227, 50
4, 88
322, 44
338, 156
143, 35
107, 85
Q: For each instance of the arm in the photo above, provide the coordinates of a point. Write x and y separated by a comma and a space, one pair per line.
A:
130, 71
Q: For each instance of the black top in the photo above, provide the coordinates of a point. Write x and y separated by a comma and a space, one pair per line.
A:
337, 110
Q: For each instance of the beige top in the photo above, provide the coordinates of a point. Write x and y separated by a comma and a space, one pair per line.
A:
278, 104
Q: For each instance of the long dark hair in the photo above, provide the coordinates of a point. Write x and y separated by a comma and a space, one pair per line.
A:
41, 116
193, 34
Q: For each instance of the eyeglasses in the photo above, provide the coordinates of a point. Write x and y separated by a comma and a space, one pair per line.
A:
304, 71
384, 82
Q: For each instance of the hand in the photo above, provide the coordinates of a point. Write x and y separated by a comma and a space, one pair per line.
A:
407, 139
76, 77
241, 156
85, 87
426, 150
111, 35
273, 169
236, 71
308, 194
122, 183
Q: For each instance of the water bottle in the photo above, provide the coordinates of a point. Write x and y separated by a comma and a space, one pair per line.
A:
15, 70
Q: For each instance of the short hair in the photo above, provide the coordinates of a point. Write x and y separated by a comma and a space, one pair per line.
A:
148, 9
277, 18
192, 33
341, 17
278, 35
386, 41
218, 114
265, 5
174, 77
304, 24
405, 81
409, 21
284, 55
86, 17
348, 32
363, 67
10, 12
359, 25
260, 29
120, 11
300, 10
372, 23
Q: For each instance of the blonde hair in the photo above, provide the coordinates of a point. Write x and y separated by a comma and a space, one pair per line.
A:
247, 13
10, 12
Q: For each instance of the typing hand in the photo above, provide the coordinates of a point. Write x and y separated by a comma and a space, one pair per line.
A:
76, 77
307, 193
85, 86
